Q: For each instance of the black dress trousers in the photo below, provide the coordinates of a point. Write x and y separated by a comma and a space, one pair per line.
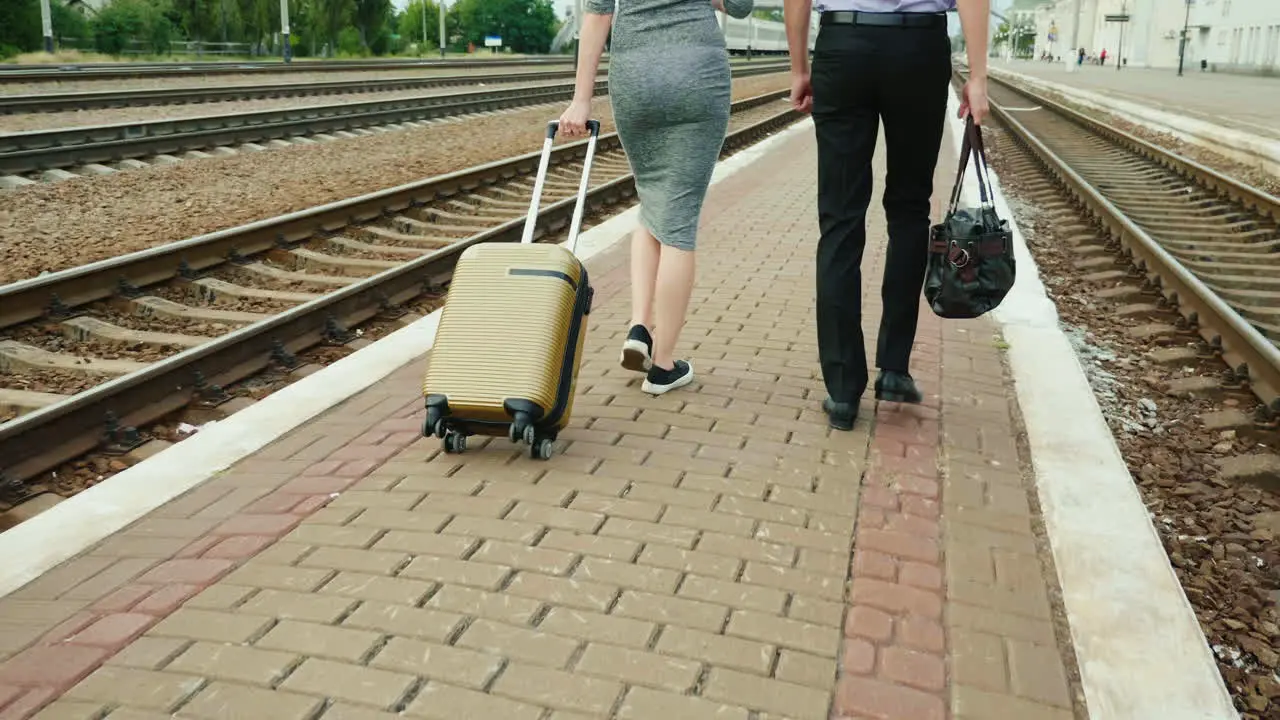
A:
862, 75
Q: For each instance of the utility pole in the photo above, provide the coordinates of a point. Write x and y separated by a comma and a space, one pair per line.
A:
442, 38
46, 24
284, 31
1124, 10
1075, 39
1182, 47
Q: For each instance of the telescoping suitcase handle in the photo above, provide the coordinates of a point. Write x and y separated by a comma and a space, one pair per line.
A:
593, 126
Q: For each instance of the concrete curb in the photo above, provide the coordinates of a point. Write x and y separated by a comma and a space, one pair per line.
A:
75, 525
1138, 643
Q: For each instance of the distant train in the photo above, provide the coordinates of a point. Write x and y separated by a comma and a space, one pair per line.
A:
765, 37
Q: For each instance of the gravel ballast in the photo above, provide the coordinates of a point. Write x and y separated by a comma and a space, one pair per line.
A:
53, 226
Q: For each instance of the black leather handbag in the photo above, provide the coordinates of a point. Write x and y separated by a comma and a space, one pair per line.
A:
971, 266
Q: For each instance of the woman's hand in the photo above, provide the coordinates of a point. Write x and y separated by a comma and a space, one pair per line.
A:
573, 121
718, 5
974, 100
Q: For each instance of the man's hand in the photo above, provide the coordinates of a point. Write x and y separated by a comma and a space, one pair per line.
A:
973, 101
801, 92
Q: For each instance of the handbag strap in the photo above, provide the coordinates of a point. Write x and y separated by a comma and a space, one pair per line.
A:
974, 145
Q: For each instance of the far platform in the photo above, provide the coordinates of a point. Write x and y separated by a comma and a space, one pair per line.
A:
1248, 103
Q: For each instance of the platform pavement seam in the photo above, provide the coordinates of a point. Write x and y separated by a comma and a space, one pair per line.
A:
1044, 546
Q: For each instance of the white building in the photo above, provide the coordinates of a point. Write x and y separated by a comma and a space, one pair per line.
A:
1231, 35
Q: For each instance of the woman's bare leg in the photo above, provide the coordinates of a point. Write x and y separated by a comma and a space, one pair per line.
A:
645, 252
676, 270
637, 349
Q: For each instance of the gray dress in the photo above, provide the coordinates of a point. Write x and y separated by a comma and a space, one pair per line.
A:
669, 88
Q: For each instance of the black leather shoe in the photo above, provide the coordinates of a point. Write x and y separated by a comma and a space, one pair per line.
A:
840, 415
893, 386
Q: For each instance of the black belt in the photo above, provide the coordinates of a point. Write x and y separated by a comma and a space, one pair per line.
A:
904, 20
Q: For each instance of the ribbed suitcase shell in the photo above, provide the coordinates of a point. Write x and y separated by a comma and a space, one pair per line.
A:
512, 328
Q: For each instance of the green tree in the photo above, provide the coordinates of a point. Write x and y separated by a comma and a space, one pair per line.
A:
21, 30
122, 22
526, 26
258, 20
328, 18
69, 23
409, 24
371, 19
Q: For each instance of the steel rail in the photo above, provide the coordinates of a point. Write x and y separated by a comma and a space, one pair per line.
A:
97, 99
42, 440
1242, 346
119, 71
129, 71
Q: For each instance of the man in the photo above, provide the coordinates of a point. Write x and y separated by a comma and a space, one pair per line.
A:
877, 60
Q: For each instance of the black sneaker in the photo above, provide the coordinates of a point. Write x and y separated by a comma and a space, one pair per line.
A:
659, 380
637, 350
840, 416
894, 386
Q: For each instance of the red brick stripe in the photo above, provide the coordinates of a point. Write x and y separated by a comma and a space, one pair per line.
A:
894, 661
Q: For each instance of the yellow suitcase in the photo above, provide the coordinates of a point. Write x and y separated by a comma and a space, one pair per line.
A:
509, 344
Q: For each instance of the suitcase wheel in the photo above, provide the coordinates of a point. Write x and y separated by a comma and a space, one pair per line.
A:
521, 429
518, 431
455, 442
541, 450
433, 424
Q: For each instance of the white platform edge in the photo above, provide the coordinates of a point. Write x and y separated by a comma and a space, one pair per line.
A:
1141, 652
1239, 145
73, 526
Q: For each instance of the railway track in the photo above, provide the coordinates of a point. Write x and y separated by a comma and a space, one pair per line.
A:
1202, 244
58, 154
99, 99
91, 353
126, 71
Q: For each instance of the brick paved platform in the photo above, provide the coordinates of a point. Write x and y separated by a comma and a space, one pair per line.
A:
714, 553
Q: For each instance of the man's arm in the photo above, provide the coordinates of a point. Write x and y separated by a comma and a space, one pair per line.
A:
974, 23
795, 15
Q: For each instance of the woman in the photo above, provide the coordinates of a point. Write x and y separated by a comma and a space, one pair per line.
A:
669, 88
